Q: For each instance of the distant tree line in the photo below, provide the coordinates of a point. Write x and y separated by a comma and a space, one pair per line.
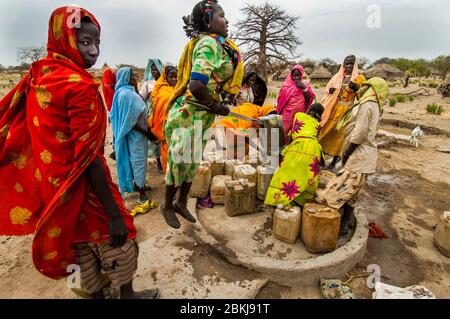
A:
419, 67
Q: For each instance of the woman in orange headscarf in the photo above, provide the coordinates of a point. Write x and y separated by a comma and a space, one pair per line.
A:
54, 178
161, 94
340, 94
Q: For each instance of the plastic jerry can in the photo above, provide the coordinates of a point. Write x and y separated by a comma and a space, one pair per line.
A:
286, 223
265, 174
320, 228
218, 188
245, 171
217, 163
324, 177
240, 197
230, 164
441, 236
202, 181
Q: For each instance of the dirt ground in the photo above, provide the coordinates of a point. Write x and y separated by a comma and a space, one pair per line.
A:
405, 198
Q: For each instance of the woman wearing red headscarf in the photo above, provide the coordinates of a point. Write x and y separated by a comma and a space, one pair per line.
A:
54, 178
296, 95
108, 85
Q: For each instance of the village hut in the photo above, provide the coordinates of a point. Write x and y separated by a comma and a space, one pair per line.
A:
385, 71
321, 74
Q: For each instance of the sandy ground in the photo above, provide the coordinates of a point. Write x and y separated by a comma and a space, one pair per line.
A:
405, 197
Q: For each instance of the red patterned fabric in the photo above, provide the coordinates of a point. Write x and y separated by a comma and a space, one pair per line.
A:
108, 84
52, 126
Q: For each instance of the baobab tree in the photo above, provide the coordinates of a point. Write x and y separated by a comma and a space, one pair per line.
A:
267, 36
30, 54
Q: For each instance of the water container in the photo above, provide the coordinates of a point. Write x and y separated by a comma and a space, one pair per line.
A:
202, 181
286, 223
217, 163
324, 177
442, 234
240, 197
245, 172
230, 164
265, 174
320, 228
218, 188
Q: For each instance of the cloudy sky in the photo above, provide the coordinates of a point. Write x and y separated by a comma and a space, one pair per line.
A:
135, 30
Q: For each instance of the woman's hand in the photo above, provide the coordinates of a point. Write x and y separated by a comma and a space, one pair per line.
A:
219, 109
118, 231
300, 84
353, 86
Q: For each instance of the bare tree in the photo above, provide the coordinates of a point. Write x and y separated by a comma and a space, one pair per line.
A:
362, 62
30, 54
267, 36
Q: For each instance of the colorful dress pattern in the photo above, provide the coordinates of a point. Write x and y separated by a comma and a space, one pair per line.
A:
298, 176
330, 138
212, 62
52, 127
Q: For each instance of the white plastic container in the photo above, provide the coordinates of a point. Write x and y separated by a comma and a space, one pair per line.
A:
218, 188
265, 174
202, 181
287, 223
230, 164
441, 236
217, 163
245, 171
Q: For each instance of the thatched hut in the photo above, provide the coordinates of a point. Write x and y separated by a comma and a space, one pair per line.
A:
320, 74
385, 71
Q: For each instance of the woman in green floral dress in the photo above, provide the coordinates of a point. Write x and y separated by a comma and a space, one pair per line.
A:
209, 67
297, 178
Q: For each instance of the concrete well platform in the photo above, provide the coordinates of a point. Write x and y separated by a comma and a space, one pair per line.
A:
248, 241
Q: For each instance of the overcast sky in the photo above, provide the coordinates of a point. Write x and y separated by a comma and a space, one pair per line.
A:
135, 30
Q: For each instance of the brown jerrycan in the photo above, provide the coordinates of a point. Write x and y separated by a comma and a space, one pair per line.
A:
217, 163
218, 189
320, 228
202, 181
240, 197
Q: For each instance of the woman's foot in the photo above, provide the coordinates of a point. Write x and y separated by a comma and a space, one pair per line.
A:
183, 211
169, 216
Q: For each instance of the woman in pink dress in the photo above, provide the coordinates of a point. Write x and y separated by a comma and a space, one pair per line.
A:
296, 95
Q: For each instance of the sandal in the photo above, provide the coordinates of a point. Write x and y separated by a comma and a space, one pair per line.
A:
143, 208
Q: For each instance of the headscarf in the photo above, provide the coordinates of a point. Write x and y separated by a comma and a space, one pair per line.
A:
160, 96
148, 71
259, 88
108, 84
126, 110
376, 90
42, 161
330, 100
290, 90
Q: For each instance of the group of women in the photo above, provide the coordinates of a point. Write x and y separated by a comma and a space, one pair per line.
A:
55, 180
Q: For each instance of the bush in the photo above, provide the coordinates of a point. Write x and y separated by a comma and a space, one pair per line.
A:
411, 98
433, 85
435, 109
401, 98
392, 101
